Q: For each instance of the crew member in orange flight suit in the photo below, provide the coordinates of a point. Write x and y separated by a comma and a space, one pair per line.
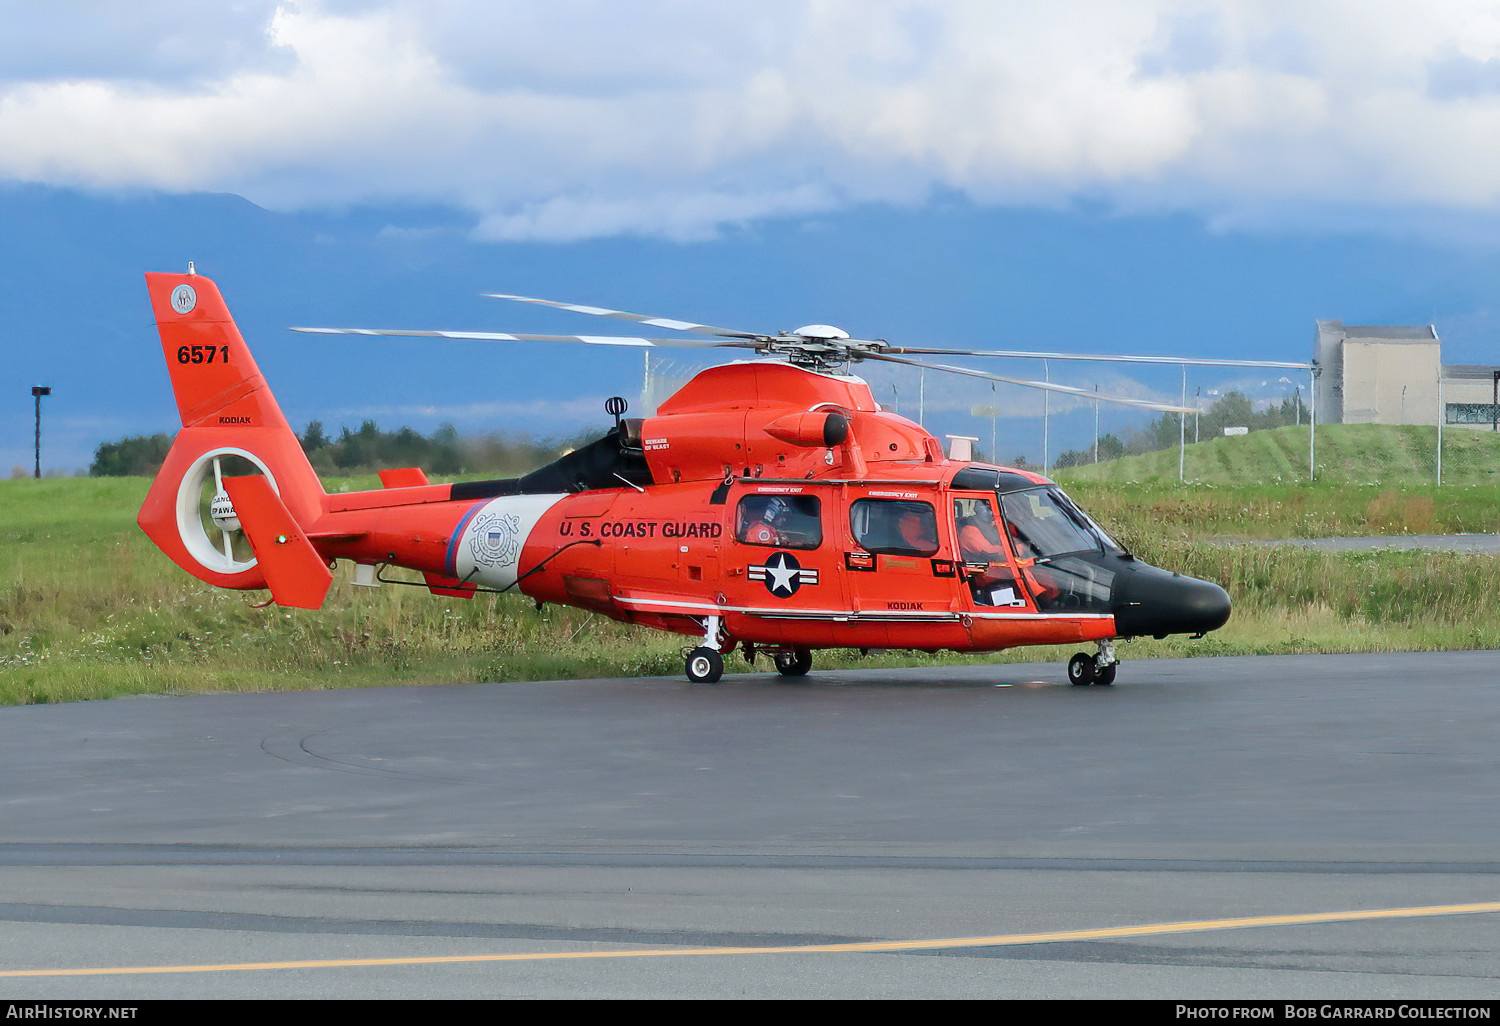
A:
979, 542
917, 534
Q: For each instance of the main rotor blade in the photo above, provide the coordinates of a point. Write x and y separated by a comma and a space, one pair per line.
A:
496, 336
1047, 386
657, 322
1017, 354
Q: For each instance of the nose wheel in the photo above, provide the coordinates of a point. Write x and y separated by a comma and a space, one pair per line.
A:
704, 666
1085, 669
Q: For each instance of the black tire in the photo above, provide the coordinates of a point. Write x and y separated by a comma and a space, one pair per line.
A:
1082, 669
1106, 674
704, 666
794, 663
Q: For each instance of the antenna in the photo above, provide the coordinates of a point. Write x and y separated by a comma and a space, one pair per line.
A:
615, 406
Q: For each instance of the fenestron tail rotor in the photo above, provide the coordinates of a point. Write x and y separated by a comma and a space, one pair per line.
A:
206, 519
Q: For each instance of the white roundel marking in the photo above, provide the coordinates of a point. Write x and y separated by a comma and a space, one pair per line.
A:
184, 299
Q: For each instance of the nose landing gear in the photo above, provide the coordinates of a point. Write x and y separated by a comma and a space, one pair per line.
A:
705, 664
1085, 669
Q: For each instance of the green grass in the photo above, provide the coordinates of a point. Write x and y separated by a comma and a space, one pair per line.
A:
90, 609
1372, 480
1358, 454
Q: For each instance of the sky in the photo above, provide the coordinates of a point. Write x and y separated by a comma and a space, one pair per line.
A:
1124, 176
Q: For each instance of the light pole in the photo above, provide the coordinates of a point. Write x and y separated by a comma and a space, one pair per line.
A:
1096, 425
37, 391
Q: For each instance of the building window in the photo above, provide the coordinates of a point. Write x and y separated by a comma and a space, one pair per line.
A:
1471, 413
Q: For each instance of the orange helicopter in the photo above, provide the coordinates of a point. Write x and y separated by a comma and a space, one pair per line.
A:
771, 505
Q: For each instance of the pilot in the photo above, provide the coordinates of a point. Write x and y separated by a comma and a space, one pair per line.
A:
978, 538
979, 542
769, 528
1024, 548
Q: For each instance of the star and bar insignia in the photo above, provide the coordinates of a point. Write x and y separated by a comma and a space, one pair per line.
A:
783, 575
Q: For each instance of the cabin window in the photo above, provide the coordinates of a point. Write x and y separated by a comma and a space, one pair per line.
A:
895, 528
782, 521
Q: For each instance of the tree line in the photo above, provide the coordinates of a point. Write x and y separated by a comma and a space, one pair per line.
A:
446, 452
1232, 409
364, 451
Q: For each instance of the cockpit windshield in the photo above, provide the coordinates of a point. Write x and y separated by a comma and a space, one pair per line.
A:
1043, 522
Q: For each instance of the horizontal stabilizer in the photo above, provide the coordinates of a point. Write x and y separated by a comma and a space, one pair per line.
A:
403, 477
452, 587
295, 573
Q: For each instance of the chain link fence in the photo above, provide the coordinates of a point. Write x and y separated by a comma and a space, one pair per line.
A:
1251, 423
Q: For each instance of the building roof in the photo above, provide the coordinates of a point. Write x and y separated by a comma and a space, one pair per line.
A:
1470, 371
1392, 332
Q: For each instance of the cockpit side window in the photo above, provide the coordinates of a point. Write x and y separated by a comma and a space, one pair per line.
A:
783, 521
987, 568
978, 534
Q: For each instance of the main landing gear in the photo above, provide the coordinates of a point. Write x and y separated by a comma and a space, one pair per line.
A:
793, 662
1085, 669
705, 664
790, 662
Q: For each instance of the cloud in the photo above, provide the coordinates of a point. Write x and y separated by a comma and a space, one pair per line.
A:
582, 118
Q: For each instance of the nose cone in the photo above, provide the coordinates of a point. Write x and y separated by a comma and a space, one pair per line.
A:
1151, 601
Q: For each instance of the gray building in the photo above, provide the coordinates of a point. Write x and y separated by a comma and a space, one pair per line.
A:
1393, 374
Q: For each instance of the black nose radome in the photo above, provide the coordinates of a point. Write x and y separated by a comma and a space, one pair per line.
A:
1150, 601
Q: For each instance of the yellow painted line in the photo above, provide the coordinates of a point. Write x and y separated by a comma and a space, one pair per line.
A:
1003, 940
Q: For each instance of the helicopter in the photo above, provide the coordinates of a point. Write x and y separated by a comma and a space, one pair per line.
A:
769, 504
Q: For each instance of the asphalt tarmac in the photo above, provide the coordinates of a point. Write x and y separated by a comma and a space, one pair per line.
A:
1257, 828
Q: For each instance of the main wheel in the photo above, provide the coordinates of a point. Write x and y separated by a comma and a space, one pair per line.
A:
794, 662
704, 666
1105, 674
1082, 669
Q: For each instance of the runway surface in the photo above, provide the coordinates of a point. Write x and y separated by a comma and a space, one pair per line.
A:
1279, 827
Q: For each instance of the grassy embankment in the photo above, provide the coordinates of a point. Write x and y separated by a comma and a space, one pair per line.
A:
89, 608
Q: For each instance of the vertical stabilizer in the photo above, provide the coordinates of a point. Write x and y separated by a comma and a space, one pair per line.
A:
231, 425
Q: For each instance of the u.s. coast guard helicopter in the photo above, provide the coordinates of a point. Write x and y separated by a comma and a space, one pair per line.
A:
771, 505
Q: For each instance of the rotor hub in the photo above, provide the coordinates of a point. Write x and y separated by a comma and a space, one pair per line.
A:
820, 331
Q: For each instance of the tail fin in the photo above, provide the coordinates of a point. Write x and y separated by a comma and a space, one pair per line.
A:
230, 425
